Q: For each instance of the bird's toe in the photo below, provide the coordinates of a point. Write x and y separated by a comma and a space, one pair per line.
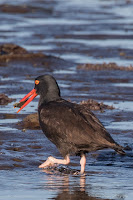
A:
47, 163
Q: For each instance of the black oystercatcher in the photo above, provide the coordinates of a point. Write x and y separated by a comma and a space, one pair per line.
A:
71, 127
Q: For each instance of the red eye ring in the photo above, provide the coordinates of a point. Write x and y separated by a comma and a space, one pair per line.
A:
37, 82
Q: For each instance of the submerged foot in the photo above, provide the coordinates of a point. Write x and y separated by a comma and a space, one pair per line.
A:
79, 173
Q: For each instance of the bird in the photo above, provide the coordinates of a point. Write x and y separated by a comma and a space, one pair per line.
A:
72, 128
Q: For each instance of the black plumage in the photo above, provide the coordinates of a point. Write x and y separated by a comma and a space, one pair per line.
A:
70, 126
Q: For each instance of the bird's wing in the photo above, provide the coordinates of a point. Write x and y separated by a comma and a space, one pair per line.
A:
95, 122
68, 123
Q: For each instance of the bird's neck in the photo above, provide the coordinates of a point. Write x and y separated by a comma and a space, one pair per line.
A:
44, 99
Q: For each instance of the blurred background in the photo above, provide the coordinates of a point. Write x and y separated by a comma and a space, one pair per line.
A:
87, 45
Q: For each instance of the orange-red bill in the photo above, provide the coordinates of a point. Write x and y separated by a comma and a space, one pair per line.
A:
33, 94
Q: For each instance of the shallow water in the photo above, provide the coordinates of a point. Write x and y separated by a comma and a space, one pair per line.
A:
80, 32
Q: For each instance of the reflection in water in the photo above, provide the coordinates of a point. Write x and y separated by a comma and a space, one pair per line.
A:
75, 195
69, 187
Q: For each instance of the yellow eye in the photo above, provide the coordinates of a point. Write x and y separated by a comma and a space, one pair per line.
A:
37, 82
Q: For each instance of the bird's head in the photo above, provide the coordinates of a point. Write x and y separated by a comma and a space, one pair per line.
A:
45, 86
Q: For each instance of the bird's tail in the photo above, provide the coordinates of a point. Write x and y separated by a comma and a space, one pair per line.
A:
119, 149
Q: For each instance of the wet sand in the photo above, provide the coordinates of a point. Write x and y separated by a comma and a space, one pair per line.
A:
72, 41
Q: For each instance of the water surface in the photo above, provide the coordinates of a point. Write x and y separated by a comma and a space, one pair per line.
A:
78, 31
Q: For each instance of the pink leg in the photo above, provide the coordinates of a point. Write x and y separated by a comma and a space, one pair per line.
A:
82, 163
51, 161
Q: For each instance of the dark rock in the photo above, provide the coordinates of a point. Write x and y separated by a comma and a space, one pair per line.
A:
4, 99
31, 122
94, 105
14, 8
10, 49
12, 54
104, 66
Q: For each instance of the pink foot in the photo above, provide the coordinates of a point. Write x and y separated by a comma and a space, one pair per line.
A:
47, 163
51, 161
